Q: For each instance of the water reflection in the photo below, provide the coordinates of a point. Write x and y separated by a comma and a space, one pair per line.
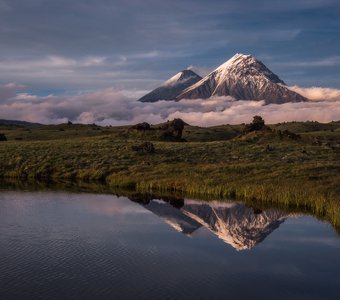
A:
234, 223
63, 245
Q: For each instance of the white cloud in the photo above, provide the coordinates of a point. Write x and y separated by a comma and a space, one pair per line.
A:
242, 112
51, 61
201, 71
331, 61
318, 93
111, 106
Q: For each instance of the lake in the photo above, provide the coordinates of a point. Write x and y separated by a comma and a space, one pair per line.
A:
72, 245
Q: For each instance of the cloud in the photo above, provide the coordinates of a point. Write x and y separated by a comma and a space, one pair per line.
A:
128, 39
201, 71
242, 112
9, 90
51, 61
116, 107
268, 35
331, 61
68, 73
318, 93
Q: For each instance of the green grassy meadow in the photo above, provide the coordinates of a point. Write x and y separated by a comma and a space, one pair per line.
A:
221, 161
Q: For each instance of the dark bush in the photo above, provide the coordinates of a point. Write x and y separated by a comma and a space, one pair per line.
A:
3, 137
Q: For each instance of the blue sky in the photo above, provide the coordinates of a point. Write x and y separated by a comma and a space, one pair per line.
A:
73, 46
90, 60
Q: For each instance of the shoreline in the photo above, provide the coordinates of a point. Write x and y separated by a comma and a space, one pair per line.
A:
300, 169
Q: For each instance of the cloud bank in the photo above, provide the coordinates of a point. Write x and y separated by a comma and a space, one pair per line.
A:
318, 93
114, 107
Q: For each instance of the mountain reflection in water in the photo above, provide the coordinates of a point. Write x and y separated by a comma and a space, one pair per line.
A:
234, 223
65, 245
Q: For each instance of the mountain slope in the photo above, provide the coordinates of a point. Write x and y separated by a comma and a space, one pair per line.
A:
244, 78
171, 88
19, 123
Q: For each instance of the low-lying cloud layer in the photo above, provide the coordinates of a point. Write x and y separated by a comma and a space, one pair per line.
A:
318, 93
114, 107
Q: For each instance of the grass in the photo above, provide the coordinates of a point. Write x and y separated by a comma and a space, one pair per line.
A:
219, 162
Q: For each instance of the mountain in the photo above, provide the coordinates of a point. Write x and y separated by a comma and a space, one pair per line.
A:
19, 123
171, 88
244, 78
232, 222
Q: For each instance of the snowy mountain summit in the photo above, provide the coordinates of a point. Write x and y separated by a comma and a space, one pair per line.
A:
171, 88
244, 78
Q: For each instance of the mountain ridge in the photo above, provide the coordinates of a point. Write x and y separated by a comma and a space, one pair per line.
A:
19, 123
172, 87
242, 77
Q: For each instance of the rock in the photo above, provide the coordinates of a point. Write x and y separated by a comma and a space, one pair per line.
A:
173, 130
141, 126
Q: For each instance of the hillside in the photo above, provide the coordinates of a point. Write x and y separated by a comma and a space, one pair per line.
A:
18, 123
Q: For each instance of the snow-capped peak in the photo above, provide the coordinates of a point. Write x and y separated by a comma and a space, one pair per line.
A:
173, 80
180, 78
171, 88
236, 59
242, 77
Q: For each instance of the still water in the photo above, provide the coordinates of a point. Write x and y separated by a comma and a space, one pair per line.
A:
60, 245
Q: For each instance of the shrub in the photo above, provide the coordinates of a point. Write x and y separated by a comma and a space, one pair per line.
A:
2, 137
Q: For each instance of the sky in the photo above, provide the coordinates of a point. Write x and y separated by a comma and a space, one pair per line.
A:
89, 60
